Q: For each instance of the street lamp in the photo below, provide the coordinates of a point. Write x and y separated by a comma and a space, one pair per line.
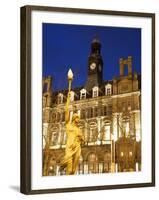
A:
70, 78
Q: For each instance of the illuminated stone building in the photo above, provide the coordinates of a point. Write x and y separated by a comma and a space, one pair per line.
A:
110, 114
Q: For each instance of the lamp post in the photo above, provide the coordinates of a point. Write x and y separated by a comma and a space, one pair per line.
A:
70, 79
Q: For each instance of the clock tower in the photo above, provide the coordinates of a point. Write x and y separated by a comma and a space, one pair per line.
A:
95, 66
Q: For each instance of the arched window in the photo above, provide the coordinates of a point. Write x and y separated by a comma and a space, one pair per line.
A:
95, 92
83, 94
107, 157
92, 157
108, 89
60, 98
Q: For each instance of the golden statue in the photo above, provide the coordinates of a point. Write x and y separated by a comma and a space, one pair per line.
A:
74, 137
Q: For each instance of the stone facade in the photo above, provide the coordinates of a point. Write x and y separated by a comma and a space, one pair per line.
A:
110, 114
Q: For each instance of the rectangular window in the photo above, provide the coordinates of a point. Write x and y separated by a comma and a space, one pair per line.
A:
54, 138
95, 93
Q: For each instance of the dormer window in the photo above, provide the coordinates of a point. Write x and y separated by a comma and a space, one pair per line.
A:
60, 98
108, 89
95, 91
72, 94
83, 94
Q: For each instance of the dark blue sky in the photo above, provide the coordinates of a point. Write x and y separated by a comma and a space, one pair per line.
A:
68, 46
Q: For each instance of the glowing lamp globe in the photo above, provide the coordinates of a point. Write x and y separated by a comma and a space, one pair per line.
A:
70, 74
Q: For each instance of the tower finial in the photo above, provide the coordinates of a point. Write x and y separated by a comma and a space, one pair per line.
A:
95, 46
96, 39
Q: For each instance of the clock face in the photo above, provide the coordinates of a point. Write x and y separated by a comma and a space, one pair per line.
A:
93, 66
